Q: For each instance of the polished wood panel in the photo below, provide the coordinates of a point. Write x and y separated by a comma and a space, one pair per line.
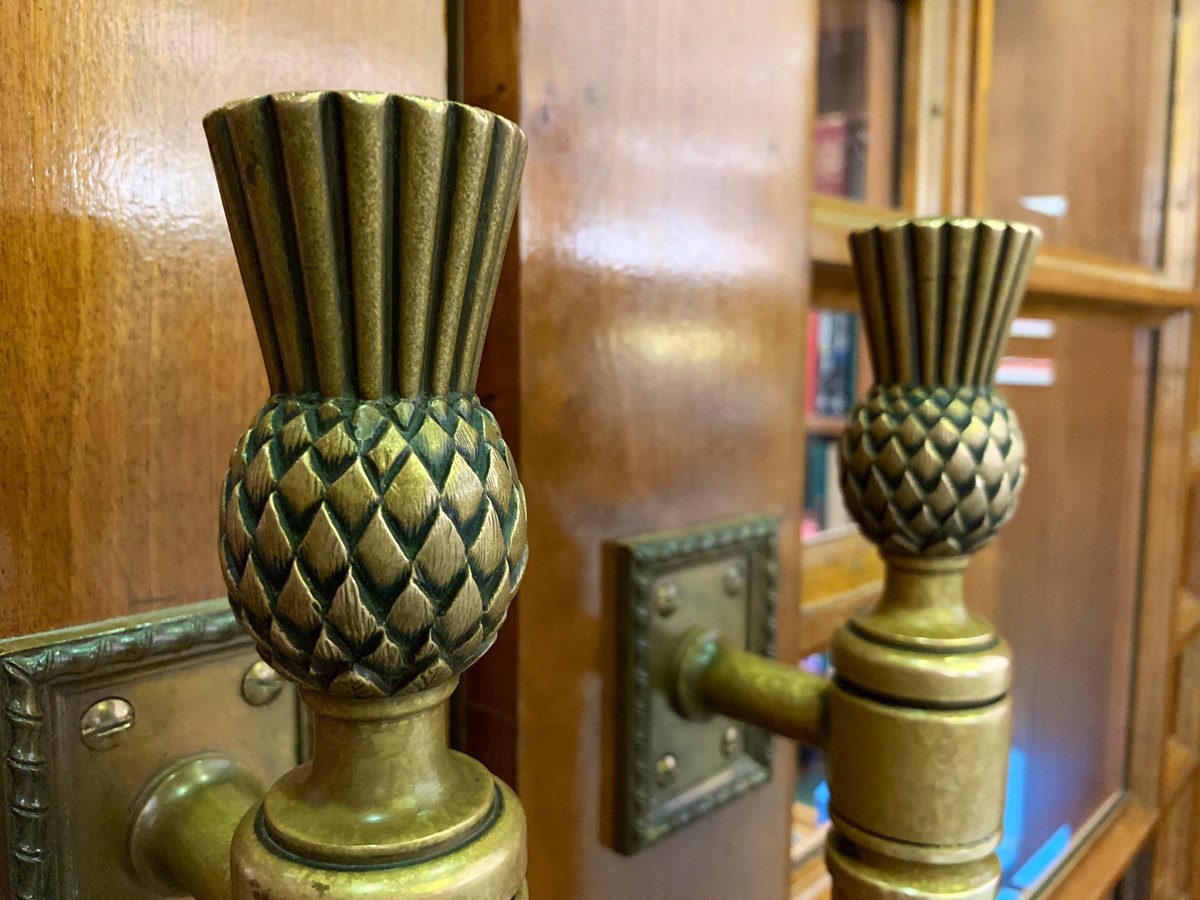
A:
647, 355
129, 356
926, 60
1179, 765
1079, 94
1183, 173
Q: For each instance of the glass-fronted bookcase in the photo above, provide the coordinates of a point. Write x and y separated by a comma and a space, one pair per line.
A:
1083, 118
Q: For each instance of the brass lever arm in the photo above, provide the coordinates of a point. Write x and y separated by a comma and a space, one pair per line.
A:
180, 836
713, 676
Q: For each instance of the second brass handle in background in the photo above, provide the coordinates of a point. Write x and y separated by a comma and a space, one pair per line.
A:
915, 723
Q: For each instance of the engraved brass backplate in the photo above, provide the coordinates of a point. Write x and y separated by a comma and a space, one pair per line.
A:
718, 577
75, 765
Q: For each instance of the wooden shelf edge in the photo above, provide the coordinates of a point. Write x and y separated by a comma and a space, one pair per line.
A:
834, 218
1059, 276
1187, 621
819, 621
1066, 276
1100, 863
1179, 767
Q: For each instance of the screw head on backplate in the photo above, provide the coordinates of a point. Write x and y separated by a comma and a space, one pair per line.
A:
106, 722
261, 684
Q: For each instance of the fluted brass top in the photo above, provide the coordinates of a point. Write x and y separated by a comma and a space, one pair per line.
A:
938, 296
932, 459
369, 229
373, 524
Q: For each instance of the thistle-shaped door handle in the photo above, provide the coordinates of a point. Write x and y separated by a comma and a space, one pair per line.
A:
916, 722
372, 523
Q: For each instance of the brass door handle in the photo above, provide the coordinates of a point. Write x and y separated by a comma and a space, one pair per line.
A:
915, 722
372, 528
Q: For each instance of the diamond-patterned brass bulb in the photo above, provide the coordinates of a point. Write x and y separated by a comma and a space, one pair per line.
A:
932, 458
373, 526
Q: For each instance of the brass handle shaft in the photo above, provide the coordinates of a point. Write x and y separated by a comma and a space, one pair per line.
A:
713, 676
183, 826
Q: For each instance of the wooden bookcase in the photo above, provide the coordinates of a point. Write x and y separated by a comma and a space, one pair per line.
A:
1083, 118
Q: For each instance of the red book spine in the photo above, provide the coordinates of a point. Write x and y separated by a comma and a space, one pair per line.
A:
831, 136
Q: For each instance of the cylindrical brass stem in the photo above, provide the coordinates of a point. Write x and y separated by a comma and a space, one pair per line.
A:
860, 874
182, 827
923, 607
384, 809
713, 676
383, 784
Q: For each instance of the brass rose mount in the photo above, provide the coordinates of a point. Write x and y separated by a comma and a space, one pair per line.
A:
372, 525
915, 723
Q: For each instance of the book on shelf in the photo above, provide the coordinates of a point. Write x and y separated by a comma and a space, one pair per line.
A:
831, 386
812, 352
856, 159
832, 362
831, 136
815, 486
824, 508
836, 514
840, 155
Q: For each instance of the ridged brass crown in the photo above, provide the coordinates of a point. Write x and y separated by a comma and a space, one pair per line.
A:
372, 525
369, 230
939, 295
932, 458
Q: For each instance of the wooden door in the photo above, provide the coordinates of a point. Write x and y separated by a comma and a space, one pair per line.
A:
128, 355
645, 355
646, 362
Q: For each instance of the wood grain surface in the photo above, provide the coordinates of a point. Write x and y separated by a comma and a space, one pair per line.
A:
646, 359
126, 349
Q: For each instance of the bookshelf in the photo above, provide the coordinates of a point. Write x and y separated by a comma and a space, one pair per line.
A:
1019, 110
859, 84
837, 371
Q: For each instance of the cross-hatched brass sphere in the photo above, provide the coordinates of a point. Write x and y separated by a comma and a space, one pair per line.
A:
932, 458
372, 548
373, 525
931, 472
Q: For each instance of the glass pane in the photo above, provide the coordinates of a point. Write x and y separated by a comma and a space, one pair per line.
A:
1061, 580
858, 100
1078, 122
